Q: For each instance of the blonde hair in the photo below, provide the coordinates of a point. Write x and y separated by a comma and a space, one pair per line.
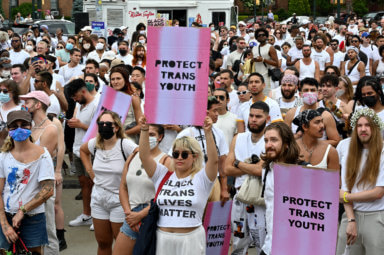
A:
189, 143
372, 165
119, 134
9, 144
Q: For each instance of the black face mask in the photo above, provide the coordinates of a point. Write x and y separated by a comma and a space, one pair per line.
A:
123, 52
370, 101
106, 132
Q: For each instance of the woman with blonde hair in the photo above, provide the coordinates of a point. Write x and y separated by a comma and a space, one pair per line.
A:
110, 150
345, 89
184, 195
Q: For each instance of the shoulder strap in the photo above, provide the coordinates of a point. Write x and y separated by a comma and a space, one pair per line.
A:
122, 150
166, 177
94, 154
350, 70
260, 56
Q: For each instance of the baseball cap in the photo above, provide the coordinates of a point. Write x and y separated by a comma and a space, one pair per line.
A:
38, 95
241, 23
365, 34
110, 55
123, 27
18, 115
116, 62
86, 28
44, 27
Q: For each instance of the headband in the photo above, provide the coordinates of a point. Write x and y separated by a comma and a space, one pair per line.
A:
290, 79
366, 112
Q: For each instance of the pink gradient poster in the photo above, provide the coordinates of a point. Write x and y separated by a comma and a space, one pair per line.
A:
177, 75
217, 225
306, 204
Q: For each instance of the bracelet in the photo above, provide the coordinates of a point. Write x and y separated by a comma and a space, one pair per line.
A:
344, 197
351, 220
144, 129
22, 208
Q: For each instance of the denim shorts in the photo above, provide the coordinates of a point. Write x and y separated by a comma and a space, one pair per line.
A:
32, 229
126, 229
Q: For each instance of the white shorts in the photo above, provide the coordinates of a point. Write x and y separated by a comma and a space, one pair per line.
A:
105, 205
192, 243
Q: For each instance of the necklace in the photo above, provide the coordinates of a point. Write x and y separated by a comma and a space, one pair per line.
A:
308, 150
41, 123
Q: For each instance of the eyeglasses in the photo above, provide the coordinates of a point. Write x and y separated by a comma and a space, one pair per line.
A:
105, 123
333, 44
260, 35
242, 92
222, 98
36, 81
59, 47
14, 126
184, 154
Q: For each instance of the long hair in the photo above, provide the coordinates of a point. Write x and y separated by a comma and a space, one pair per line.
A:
124, 72
348, 87
189, 143
119, 134
368, 81
12, 87
9, 144
134, 53
372, 165
290, 150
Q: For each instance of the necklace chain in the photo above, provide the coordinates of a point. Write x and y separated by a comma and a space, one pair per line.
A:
308, 150
41, 123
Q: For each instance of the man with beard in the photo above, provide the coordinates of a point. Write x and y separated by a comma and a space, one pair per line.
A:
320, 55
315, 152
353, 68
244, 152
309, 88
256, 86
288, 98
264, 57
338, 56
308, 67
17, 54
124, 53
139, 56
236, 55
280, 147
84, 112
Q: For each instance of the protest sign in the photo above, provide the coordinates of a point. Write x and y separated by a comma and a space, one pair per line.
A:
158, 22
98, 27
177, 75
306, 204
111, 100
217, 224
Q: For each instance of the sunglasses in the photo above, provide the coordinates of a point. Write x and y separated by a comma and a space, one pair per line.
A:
333, 44
241, 92
36, 81
105, 123
184, 154
5, 91
222, 98
59, 47
13, 41
354, 41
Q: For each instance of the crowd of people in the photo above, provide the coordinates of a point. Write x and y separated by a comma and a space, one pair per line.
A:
300, 94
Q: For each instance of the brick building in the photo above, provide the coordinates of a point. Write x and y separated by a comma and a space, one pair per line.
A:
64, 7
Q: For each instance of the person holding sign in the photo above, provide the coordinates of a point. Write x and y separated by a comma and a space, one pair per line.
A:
184, 195
362, 190
280, 146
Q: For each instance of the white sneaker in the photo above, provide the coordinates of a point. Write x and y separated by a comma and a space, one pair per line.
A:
92, 228
81, 220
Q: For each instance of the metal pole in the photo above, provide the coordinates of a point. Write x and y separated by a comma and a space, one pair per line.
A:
262, 10
254, 11
338, 9
314, 10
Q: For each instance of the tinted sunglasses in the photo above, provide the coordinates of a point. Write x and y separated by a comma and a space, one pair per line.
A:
5, 91
184, 154
59, 47
105, 123
241, 92
222, 98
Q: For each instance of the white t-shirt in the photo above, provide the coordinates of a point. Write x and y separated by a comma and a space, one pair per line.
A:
4, 113
85, 115
233, 99
127, 58
274, 111
54, 107
321, 57
295, 53
140, 187
22, 180
108, 164
338, 57
94, 55
268, 197
227, 123
68, 72
378, 204
233, 57
18, 57
181, 201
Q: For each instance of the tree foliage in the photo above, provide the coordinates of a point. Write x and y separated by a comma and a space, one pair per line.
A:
300, 7
25, 9
360, 7
77, 6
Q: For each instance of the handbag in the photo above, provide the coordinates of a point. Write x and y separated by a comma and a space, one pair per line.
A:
250, 191
274, 73
146, 241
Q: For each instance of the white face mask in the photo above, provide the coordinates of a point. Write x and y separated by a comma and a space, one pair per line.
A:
99, 46
29, 48
152, 142
212, 29
142, 41
252, 35
142, 32
6, 73
86, 46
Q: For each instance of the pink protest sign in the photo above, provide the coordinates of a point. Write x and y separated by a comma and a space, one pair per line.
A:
306, 204
177, 75
217, 224
111, 100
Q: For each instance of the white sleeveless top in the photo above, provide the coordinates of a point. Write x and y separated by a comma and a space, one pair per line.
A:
307, 70
380, 67
264, 52
244, 148
323, 163
354, 75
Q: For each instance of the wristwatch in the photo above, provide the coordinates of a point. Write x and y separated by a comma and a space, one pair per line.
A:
236, 163
23, 209
351, 220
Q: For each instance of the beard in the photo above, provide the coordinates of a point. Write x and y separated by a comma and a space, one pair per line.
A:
258, 129
289, 96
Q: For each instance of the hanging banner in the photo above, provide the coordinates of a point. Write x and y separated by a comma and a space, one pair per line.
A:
306, 205
177, 75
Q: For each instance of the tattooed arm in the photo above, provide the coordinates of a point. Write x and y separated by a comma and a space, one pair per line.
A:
45, 192
8, 231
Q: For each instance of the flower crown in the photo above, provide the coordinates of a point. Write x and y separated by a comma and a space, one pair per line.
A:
368, 113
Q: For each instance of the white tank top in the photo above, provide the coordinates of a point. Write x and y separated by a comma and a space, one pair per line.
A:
294, 127
324, 162
380, 67
244, 148
354, 75
307, 70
